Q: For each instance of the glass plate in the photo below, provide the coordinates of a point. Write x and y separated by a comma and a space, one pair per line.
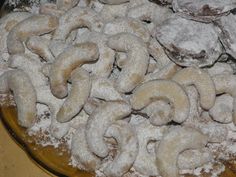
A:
54, 160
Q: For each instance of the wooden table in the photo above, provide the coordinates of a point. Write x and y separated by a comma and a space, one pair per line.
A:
13, 160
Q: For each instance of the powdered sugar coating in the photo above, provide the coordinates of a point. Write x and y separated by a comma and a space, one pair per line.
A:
168, 151
24, 95
223, 109
133, 72
149, 12
79, 93
34, 25
162, 89
100, 119
145, 161
128, 25
40, 46
81, 152
203, 10
227, 35
104, 65
7, 24
202, 81
128, 148
66, 62
75, 18
201, 49
104, 91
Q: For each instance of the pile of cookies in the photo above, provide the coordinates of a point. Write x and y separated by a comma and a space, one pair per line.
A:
149, 85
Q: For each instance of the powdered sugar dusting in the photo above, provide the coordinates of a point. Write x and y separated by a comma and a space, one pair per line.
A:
41, 130
222, 151
7, 100
223, 147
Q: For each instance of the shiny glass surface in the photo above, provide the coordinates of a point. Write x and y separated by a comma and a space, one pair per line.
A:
54, 160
